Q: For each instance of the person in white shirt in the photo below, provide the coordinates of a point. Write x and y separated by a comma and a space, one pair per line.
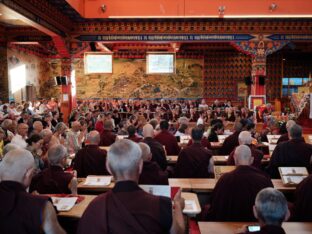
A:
21, 135
75, 136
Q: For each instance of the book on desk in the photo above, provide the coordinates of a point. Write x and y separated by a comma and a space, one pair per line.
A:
220, 170
292, 176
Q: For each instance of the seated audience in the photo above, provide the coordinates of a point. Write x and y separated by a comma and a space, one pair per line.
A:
231, 141
21, 136
127, 208
271, 211
107, 136
292, 153
58, 135
91, 160
182, 130
37, 127
167, 139
20, 211
303, 203
158, 152
34, 144
132, 134
244, 138
151, 172
235, 192
54, 180
193, 161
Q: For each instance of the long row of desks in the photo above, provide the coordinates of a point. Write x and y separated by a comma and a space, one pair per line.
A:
194, 185
78, 209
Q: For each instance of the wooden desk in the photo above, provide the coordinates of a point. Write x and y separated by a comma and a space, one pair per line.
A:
216, 145
172, 159
91, 188
222, 159
231, 227
105, 148
207, 185
307, 138
78, 209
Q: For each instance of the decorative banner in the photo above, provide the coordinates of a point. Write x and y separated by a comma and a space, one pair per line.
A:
290, 37
242, 89
168, 37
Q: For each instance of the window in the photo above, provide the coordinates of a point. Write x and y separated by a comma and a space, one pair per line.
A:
290, 85
98, 63
160, 63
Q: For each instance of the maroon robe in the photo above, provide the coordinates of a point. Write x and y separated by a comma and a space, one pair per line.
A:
230, 143
235, 192
283, 138
20, 211
135, 138
127, 209
292, 153
107, 138
303, 202
204, 142
152, 174
90, 160
256, 154
193, 162
158, 152
52, 180
269, 229
169, 141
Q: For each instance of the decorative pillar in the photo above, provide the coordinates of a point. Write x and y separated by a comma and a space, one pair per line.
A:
4, 73
259, 49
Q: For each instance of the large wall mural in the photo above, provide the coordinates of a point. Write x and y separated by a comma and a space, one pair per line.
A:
129, 80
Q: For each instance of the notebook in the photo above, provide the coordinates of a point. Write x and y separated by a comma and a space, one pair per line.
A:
64, 203
98, 180
292, 176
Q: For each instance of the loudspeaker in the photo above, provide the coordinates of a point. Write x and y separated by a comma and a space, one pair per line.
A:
248, 80
58, 80
64, 80
92, 46
261, 80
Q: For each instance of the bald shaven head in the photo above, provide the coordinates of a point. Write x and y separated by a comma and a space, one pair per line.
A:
242, 156
146, 152
18, 165
148, 130
93, 138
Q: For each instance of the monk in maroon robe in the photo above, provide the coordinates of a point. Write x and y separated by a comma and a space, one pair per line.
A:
193, 161
292, 153
231, 141
107, 136
235, 192
158, 151
91, 160
204, 142
245, 138
303, 203
285, 137
167, 139
127, 208
271, 210
21, 212
132, 134
54, 180
151, 172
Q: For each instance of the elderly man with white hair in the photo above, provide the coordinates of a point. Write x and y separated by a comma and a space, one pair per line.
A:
75, 137
151, 172
21, 135
22, 212
53, 180
285, 136
245, 138
271, 210
127, 208
235, 192
157, 149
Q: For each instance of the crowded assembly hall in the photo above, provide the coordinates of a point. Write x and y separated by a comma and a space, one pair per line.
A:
155, 116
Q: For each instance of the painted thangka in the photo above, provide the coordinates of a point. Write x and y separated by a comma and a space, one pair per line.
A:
129, 80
